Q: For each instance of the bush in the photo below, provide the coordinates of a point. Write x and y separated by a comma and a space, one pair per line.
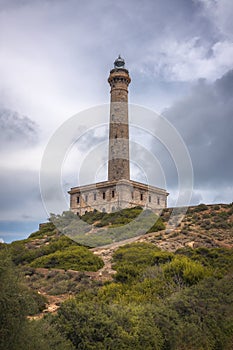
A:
74, 258
21, 254
46, 229
158, 226
102, 326
199, 208
132, 259
219, 259
185, 271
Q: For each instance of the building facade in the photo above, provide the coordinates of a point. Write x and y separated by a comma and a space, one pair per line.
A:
119, 191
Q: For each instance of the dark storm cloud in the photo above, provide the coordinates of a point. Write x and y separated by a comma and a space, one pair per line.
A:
205, 121
16, 130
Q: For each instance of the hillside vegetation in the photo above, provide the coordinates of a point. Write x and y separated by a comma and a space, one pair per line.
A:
162, 289
97, 229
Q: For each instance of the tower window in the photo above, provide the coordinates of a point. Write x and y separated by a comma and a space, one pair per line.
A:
141, 196
116, 136
158, 201
132, 195
150, 198
113, 194
78, 200
86, 198
94, 196
103, 195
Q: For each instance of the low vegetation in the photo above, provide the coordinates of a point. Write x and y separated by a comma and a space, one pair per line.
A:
16, 303
158, 300
74, 258
164, 295
49, 249
117, 226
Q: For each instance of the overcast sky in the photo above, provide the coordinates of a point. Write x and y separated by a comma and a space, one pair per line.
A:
55, 57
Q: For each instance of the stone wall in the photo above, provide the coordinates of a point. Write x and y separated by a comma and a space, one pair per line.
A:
110, 196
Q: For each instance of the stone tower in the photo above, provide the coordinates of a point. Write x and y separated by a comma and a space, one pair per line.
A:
119, 191
118, 157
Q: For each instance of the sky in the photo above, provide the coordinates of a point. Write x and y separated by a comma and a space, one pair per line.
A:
55, 58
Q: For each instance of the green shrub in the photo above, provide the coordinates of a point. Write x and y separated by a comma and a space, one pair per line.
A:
74, 258
21, 254
46, 229
158, 226
200, 207
131, 259
185, 271
102, 326
219, 259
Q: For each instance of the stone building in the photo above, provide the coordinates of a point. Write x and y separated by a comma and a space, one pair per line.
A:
119, 191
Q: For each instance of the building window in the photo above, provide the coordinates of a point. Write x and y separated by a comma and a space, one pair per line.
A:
141, 196
149, 198
78, 200
158, 201
86, 198
113, 194
103, 210
132, 196
103, 195
94, 196
113, 209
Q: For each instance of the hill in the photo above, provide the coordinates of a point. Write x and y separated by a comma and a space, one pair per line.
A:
183, 276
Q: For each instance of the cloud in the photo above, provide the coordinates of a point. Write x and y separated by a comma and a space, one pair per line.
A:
16, 130
55, 54
189, 60
20, 160
20, 195
55, 60
220, 13
204, 120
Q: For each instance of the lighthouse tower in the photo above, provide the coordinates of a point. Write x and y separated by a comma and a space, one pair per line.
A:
118, 160
119, 191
